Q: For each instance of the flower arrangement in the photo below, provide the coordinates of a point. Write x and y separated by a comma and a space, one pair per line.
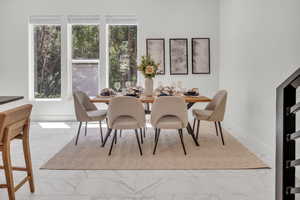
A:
148, 67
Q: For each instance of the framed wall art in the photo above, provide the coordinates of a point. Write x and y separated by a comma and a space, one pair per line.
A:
200, 55
155, 48
178, 56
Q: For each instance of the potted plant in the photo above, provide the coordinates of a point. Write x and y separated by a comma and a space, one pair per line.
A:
149, 69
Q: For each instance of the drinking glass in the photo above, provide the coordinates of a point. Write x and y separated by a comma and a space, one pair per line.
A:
117, 86
128, 84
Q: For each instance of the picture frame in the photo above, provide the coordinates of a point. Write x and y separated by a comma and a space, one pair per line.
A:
155, 48
178, 56
201, 56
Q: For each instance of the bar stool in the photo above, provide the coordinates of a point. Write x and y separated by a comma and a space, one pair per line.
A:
14, 124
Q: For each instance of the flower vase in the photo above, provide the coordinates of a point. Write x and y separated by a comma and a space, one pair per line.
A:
148, 87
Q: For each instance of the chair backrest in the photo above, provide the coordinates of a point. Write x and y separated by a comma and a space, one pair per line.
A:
15, 121
126, 106
169, 106
82, 104
218, 105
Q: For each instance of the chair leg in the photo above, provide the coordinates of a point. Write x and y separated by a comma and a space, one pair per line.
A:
138, 141
221, 133
101, 131
107, 136
216, 126
116, 136
181, 139
112, 142
27, 158
120, 133
194, 123
156, 141
78, 132
85, 130
8, 171
198, 126
141, 132
155, 135
144, 129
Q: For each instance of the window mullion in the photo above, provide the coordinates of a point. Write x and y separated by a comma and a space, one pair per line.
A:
103, 75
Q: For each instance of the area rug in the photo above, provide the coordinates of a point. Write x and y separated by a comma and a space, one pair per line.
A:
210, 155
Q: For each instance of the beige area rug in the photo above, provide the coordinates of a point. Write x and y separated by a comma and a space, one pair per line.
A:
210, 155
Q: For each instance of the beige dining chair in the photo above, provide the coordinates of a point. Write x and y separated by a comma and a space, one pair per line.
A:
14, 124
169, 112
86, 112
125, 113
213, 112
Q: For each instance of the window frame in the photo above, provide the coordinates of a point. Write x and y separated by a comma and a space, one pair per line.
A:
81, 21
66, 22
43, 21
120, 22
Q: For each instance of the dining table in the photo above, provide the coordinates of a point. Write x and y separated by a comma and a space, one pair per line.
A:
190, 101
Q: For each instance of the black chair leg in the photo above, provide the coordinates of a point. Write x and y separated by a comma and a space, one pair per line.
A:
155, 135
216, 128
156, 141
101, 132
116, 136
78, 133
112, 142
138, 141
221, 132
120, 133
85, 131
198, 126
107, 136
181, 138
141, 132
144, 129
194, 123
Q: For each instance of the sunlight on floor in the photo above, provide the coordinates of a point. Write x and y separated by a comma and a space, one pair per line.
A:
50, 125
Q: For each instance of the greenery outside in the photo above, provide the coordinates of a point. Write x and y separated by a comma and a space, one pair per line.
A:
122, 51
122, 55
85, 42
47, 61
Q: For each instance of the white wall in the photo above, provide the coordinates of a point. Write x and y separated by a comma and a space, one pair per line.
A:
260, 47
163, 19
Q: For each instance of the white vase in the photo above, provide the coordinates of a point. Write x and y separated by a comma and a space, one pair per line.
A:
148, 87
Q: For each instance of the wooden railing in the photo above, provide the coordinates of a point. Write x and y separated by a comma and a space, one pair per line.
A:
286, 134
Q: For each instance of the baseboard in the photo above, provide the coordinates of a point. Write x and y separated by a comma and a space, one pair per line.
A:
262, 150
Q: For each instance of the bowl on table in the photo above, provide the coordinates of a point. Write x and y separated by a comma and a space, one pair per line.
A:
133, 92
107, 92
192, 92
166, 91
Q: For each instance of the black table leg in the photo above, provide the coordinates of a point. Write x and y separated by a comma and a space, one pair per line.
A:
189, 128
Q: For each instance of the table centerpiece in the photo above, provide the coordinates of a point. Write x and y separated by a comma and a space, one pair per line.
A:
149, 69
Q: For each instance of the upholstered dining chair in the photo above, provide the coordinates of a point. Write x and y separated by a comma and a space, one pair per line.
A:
125, 113
169, 112
213, 112
14, 124
86, 112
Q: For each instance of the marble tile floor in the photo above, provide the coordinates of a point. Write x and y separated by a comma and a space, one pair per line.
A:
49, 138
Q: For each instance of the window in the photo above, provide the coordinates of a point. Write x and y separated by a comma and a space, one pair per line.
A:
81, 52
122, 47
85, 58
47, 61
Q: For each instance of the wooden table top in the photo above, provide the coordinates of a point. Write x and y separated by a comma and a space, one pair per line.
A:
145, 99
7, 99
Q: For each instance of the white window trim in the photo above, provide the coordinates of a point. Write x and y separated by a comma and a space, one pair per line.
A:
66, 23
42, 20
